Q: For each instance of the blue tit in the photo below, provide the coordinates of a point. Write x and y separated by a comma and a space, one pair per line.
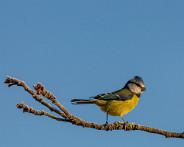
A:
120, 102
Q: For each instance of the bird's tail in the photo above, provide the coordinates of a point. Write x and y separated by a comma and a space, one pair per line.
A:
83, 101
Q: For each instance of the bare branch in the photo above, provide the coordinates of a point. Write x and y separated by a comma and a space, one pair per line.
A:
28, 109
41, 90
13, 81
68, 117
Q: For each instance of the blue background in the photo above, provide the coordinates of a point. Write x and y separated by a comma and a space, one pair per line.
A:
83, 48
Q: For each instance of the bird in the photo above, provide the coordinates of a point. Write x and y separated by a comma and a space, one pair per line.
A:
120, 102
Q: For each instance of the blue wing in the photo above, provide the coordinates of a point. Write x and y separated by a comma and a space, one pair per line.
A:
112, 96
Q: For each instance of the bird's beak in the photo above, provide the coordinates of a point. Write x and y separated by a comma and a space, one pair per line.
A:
143, 88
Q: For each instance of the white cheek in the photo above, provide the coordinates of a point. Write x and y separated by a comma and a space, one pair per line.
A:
137, 90
134, 88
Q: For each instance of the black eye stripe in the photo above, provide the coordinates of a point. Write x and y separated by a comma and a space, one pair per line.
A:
136, 84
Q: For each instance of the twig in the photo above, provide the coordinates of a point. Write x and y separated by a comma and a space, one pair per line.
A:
13, 81
67, 117
28, 109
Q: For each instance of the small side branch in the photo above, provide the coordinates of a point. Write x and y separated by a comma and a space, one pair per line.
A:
28, 109
13, 81
66, 116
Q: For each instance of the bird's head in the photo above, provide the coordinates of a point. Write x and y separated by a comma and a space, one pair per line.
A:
136, 85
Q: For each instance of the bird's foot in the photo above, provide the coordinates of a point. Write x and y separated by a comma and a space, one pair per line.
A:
106, 123
125, 126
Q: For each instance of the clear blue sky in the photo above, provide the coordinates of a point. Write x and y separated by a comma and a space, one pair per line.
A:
80, 48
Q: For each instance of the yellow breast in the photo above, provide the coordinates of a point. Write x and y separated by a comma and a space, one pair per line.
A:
117, 107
